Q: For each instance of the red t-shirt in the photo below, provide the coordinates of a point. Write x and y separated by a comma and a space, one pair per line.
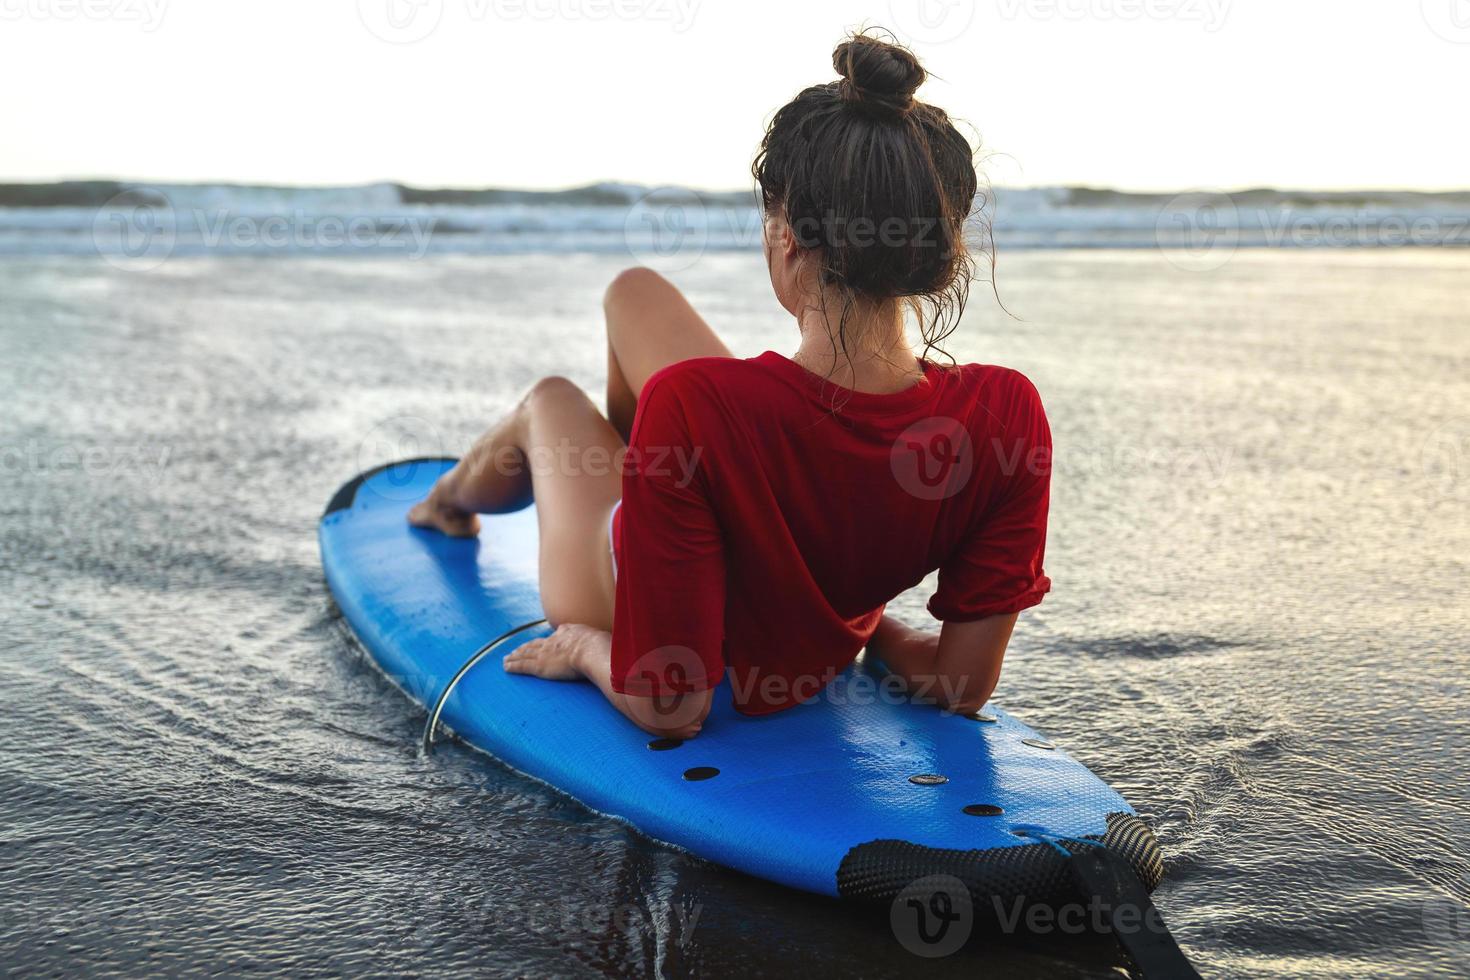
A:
768, 516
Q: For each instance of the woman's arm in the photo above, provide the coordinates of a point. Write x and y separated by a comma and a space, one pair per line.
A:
957, 668
585, 653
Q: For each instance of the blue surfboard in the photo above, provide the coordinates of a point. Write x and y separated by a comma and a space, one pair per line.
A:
847, 796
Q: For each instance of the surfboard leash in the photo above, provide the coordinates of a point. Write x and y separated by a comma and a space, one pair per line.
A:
1111, 886
480, 654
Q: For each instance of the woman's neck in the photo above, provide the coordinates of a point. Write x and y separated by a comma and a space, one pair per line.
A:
877, 358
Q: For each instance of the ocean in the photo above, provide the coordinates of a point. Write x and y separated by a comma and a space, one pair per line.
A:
1260, 545
144, 222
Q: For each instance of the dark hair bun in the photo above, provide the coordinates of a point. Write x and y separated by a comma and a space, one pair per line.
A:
875, 186
877, 75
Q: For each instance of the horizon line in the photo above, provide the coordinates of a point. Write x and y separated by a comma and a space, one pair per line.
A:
612, 182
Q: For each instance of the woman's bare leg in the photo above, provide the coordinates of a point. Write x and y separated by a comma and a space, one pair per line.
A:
555, 446
650, 325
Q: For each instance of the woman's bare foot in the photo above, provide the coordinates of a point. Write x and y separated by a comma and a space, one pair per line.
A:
432, 514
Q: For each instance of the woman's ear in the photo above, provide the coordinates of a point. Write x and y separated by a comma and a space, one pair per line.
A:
773, 232
780, 243
785, 259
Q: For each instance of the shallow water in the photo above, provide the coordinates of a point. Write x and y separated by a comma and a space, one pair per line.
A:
1260, 541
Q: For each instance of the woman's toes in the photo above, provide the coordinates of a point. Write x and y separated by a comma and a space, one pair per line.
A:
455, 523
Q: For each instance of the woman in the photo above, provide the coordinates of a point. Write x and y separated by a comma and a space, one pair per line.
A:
767, 509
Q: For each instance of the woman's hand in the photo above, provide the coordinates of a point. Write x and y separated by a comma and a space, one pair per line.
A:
957, 668
562, 656
575, 653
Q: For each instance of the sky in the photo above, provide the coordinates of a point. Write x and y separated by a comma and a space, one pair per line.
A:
1134, 94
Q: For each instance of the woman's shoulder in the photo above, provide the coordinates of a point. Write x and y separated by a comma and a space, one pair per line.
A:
696, 390
701, 378
696, 370
996, 382
999, 402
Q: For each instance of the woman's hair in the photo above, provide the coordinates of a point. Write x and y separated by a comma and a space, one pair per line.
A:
876, 181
